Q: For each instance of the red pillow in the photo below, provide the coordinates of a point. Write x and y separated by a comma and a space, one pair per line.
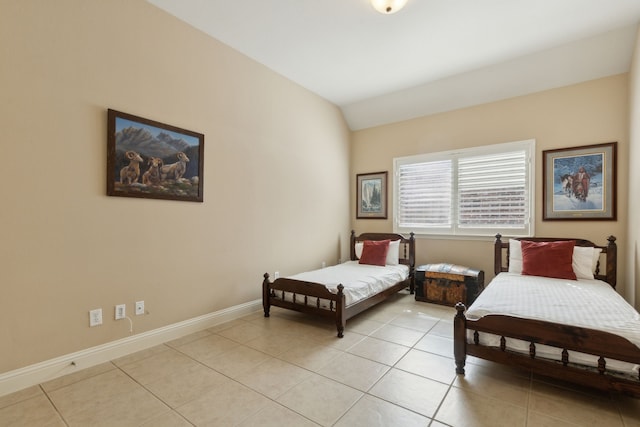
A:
374, 252
548, 259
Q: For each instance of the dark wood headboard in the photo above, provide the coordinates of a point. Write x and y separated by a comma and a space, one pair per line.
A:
610, 252
407, 245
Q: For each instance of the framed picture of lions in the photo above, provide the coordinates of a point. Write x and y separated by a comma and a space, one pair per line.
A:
152, 160
579, 183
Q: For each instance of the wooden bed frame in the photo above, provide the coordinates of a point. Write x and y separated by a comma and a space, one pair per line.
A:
272, 291
601, 344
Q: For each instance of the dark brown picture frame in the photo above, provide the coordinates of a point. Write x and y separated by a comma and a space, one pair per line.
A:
371, 195
580, 183
153, 160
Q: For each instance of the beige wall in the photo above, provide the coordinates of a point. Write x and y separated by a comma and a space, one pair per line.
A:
583, 114
633, 246
276, 165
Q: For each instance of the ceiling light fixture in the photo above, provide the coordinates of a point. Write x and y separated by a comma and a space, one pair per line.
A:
388, 6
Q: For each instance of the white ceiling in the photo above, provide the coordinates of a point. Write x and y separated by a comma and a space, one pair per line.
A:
432, 56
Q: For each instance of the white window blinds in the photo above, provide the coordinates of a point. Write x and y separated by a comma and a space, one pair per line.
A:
478, 191
492, 190
425, 194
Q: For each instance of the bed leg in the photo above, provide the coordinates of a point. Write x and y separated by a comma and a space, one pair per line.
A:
340, 304
266, 290
459, 338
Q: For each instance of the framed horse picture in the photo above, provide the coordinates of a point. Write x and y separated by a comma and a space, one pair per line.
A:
579, 183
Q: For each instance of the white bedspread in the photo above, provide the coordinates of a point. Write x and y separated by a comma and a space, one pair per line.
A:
584, 303
359, 280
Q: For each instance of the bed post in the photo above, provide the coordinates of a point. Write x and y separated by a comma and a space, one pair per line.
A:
459, 338
352, 246
266, 290
497, 255
412, 263
612, 250
340, 320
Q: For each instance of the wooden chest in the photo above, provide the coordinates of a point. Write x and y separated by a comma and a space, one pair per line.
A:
448, 284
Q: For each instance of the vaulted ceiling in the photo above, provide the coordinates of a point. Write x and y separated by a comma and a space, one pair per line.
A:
432, 56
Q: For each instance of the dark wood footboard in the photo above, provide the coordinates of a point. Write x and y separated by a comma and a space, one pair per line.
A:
304, 297
566, 338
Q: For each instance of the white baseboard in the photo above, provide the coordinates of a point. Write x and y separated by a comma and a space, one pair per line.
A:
50, 369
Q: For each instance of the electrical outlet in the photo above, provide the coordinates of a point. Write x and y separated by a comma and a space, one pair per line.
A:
324, 264
139, 308
276, 274
121, 311
95, 317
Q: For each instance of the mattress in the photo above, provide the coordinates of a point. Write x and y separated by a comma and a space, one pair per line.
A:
360, 281
583, 303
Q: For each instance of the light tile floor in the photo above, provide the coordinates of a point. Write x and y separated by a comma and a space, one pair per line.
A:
394, 367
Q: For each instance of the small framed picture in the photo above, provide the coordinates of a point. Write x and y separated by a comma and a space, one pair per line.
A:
579, 183
371, 195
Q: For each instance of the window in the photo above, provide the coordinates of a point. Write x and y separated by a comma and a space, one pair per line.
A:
472, 192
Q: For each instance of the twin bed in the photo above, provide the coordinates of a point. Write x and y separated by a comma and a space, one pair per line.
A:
578, 330
340, 292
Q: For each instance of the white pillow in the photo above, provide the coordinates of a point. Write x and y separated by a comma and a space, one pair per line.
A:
515, 256
596, 258
584, 259
359, 246
393, 254
582, 262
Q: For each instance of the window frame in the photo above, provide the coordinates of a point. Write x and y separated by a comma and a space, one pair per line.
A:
528, 230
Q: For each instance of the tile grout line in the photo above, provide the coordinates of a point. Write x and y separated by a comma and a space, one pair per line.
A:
54, 405
526, 412
238, 382
171, 409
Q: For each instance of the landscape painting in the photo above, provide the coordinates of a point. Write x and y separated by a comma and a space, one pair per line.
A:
149, 159
372, 195
580, 182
